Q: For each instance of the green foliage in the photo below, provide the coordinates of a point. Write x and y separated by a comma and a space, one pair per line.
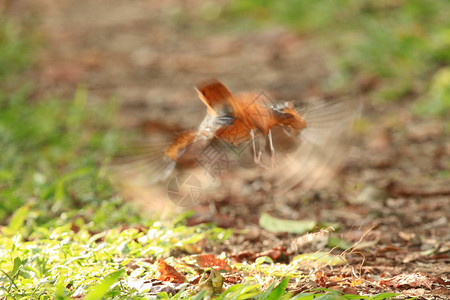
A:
335, 242
320, 258
279, 225
15, 51
276, 293
273, 224
52, 149
302, 15
52, 153
437, 100
398, 44
335, 295
67, 262
17, 221
99, 291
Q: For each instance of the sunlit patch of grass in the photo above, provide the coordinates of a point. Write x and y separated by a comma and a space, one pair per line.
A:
70, 262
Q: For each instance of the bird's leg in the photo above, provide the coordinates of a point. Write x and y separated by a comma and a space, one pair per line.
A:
256, 157
252, 133
272, 149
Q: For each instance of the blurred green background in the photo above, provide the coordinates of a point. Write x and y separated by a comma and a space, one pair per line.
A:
403, 46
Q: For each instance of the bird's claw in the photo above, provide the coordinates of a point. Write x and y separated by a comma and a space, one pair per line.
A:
273, 161
257, 160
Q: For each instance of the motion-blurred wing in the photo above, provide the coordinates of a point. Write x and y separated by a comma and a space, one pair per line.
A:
324, 143
147, 163
329, 119
143, 163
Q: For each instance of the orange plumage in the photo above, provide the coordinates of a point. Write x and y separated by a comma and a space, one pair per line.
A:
235, 119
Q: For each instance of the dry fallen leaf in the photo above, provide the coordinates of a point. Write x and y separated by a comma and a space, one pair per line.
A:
277, 254
168, 273
210, 261
418, 279
356, 282
323, 280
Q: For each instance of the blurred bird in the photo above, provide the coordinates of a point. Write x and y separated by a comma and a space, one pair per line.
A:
244, 118
236, 119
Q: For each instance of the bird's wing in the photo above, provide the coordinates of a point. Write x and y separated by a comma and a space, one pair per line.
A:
324, 142
327, 119
214, 95
144, 162
152, 162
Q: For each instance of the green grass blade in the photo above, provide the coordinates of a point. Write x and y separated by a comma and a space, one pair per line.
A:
100, 290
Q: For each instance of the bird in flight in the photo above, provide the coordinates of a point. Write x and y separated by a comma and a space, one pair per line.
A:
245, 119
235, 120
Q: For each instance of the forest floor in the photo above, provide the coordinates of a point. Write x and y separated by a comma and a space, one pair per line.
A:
390, 199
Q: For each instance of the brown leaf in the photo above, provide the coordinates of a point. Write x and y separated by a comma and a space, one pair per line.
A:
249, 256
381, 140
233, 278
222, 221
389, 248
210, 261
418, 279
323, 280
168, 273
277, 254
356, 282
396, 189
196, 280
